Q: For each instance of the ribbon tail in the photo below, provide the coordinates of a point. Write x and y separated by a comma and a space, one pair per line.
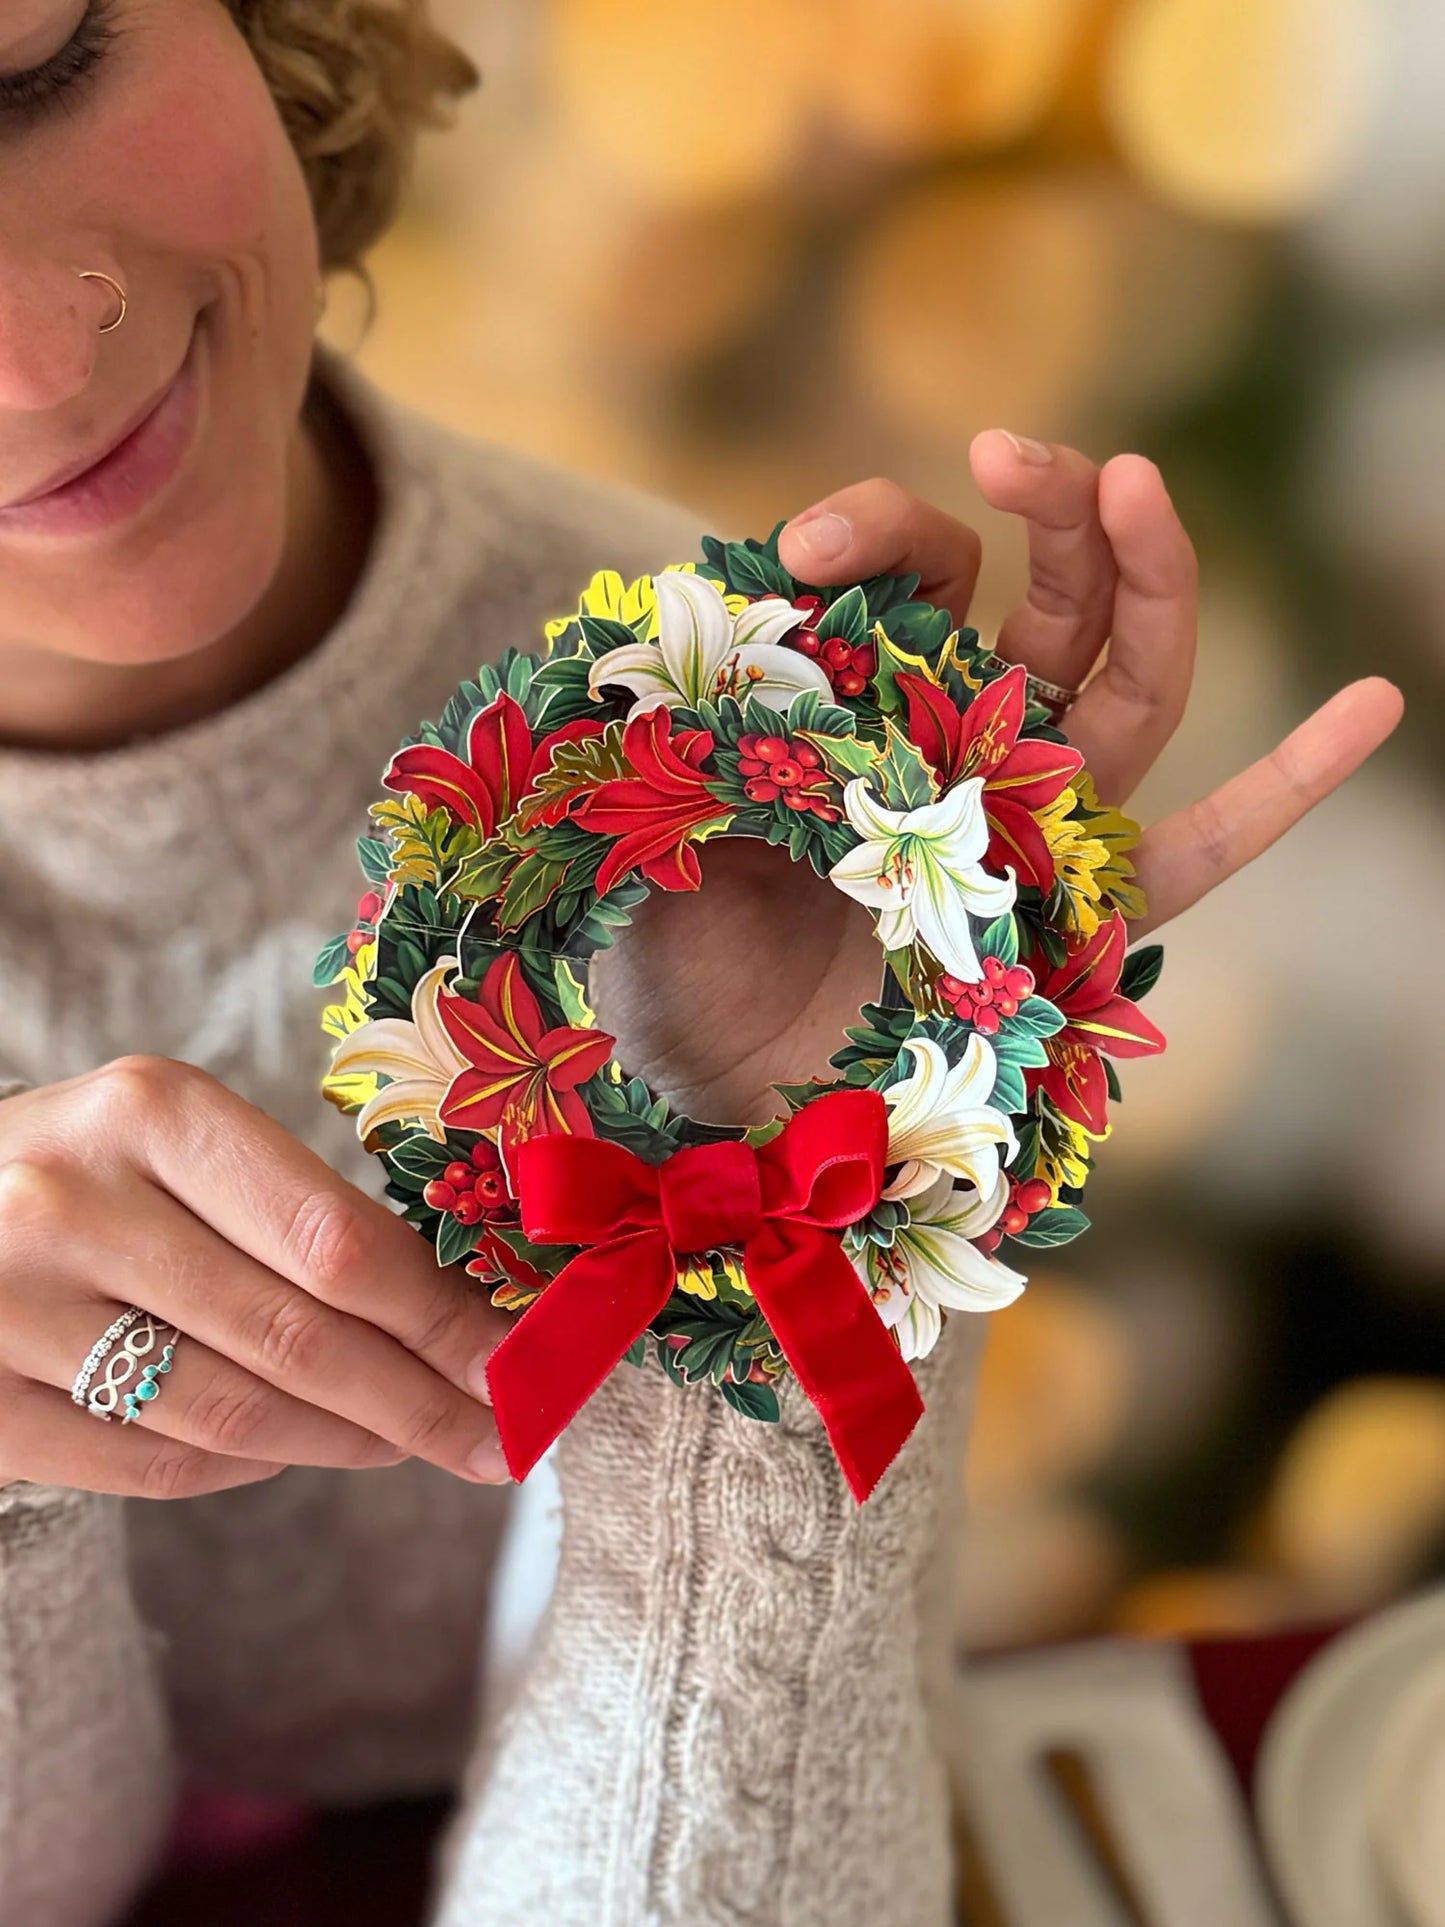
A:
839, 1349
563, 1346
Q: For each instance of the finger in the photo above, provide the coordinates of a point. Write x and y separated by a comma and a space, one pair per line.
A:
205, 1399
878, 528
239, 1171
1063, 622
1128, 712
1182, 858
180, 1270
59, 1444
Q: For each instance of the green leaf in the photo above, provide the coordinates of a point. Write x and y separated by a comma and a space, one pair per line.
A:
753, 1400
331, 960
455, 1241
1111, 1080
1055, 1226
1036, 1017
1001, 940
375, 860
481, 876
1141, 971
847, 617
421, 1155
1008, 1089
636, 1353
751, 572
902, 780
530, 886
602, 634
848, 756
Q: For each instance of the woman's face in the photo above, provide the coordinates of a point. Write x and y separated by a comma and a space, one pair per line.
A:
138, 140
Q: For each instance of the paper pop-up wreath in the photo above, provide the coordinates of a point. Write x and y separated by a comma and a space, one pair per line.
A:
863, 733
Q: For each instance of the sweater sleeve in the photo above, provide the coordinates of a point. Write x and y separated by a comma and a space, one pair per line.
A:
321, 1632
87, 1783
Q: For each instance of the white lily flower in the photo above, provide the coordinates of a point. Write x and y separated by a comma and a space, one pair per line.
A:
922, 871
703, 651
418, 1057
933, 1265
940, 1120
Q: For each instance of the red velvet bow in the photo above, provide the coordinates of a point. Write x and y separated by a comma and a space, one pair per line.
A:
784, 1203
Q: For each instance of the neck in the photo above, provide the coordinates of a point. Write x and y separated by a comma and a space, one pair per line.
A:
63, 704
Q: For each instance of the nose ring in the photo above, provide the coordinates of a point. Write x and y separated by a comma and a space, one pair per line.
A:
94, 274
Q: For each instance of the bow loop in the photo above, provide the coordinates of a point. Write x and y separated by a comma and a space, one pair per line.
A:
582, 1190
826, 1164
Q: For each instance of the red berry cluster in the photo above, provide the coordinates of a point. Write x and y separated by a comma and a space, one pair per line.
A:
471, 1192
791, 773
1024, 1201
368, 909
847, 665
998, 993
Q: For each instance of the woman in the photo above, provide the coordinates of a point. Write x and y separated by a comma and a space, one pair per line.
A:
231, 576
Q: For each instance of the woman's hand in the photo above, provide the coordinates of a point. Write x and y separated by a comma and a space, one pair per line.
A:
715, 996
317, 1328
1109, 562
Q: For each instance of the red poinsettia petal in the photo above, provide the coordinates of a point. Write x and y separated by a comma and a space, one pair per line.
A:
1077, 1087
499, 747
1091, 975
1118, 1027
1036, 773
507, 995
992, 720
571, 1055
443, 781
476, 1099
565, 1112
480, 1036
935, 726
1017, 842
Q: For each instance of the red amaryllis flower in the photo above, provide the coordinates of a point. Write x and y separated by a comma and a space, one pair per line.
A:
655, 812
1018, 777
1086, 989
521, 1078
500, 765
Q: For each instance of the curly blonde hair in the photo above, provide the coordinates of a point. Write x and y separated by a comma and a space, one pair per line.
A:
354, 81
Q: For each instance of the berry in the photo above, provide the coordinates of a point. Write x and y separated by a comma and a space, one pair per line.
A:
355, 939
837, 654
1032, 1196
951, 988
865, 659
369, 908
1019, 982
850, 683
466, 1210
1004, 1004
985, 1019
981, 994
990, 1240
491, 1190
1013, 1220
786, 772
759, 790
440, 1195
771, 749
805, 754
994, 970
485, 1155
461, 1177
806, 643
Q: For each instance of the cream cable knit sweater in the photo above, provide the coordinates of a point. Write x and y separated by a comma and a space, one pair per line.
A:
319, 1633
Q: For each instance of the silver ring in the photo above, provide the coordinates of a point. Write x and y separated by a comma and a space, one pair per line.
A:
133, 1356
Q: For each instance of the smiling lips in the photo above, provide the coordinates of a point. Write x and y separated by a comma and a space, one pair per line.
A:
111, 489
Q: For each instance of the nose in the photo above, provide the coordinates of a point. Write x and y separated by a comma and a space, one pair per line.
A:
50, 322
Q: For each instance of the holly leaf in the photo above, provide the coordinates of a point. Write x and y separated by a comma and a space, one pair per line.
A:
901, 778
482, 875
530, 887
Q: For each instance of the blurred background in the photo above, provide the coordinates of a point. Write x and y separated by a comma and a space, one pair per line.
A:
743, 252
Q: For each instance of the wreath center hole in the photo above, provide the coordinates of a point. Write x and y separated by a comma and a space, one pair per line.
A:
716, 994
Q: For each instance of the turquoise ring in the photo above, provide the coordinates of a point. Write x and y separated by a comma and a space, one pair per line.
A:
125, 1349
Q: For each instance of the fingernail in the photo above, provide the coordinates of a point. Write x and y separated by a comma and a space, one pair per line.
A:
823, 532
1029, 450
477, 1378
489, 1462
